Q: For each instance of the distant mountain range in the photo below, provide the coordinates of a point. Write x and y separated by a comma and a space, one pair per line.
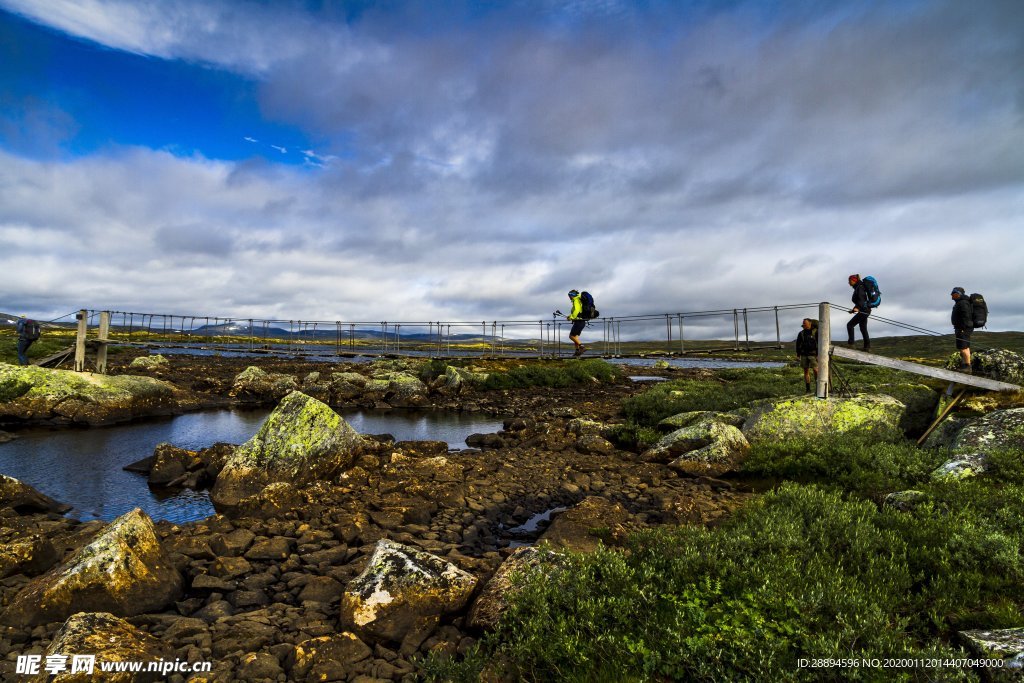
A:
238, 329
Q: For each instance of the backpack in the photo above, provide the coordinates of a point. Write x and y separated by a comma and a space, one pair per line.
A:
588, 310
979, 310
873, 292
31, 330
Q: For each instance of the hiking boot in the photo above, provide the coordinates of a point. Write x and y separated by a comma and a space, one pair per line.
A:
867, 347
580, 351
808, 384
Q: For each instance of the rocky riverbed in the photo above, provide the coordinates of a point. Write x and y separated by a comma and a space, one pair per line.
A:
338, 556
286, 583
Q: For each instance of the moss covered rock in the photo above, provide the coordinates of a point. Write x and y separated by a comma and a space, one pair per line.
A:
403, 592
33, 394
110, 639
920, 400
961, 467
680, 420
302, 441
123, 570
1002, 429
29, 556
1006, 644
805, 416
255, 383
708, 445
398, 389
149, 362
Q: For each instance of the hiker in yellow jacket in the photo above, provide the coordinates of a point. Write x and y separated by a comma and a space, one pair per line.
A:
578, 323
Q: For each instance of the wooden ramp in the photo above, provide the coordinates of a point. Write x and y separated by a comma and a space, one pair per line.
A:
926, 370
56, 359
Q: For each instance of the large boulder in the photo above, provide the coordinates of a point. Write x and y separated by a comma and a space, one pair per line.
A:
107, 639
709, 446
123, 570
34, 394
680, 420
316, 658
1001, 429
500, 589
921, 402
301, 441
803, 416
257, 384
999, 364
403, 593
22, 498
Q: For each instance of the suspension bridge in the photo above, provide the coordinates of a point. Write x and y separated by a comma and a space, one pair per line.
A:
685, 333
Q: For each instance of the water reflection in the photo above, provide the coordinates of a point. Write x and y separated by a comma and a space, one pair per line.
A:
83, 467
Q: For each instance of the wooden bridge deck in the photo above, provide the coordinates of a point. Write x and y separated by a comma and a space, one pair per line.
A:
926, 370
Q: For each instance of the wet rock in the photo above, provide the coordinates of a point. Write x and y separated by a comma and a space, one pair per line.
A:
34, 394
484, 441
327, 658
1002, 429
436, 479
170, 463
259, 665
109, 639
961, 467
24, 499
708, 447
592, 444
233, 543
403, 592
808, 416
255, 383
575, 528
124, 570
496, 595
302, 441
149, 362
29, 556
1006, 644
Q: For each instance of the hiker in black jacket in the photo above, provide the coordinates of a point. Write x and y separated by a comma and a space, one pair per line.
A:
861, 310
963, 324
27, 331
807, 350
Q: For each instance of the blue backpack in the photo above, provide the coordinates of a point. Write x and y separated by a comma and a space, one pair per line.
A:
874, 293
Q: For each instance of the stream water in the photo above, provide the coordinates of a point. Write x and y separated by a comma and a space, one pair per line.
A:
83, 467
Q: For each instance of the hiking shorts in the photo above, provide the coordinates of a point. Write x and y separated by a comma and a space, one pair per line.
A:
577, 327
963, 339
809, 362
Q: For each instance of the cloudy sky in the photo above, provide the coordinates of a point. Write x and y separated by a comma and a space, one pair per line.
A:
475, 160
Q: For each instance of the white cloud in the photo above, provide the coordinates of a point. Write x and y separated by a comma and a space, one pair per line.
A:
733, 160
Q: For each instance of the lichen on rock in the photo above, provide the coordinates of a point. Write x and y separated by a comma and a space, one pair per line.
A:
123, 570
803, 416
301, 441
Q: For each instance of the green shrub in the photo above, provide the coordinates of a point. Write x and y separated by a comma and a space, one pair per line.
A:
559, 374
853, 462
801, 572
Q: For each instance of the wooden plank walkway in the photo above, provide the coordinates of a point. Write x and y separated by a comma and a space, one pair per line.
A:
926, 370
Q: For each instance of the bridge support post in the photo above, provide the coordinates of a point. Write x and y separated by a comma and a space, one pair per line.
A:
824, 344
83, 327
101, 350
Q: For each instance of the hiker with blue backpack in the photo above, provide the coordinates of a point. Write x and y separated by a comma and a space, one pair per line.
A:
582, 310
28, 333
866, 295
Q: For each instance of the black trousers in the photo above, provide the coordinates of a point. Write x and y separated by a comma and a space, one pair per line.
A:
859, 319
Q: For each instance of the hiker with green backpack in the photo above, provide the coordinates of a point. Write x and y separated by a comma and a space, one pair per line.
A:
582, 310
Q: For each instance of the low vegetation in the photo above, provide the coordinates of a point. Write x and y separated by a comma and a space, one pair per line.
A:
554, 374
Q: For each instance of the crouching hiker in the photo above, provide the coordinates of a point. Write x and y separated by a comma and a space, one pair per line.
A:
807, 350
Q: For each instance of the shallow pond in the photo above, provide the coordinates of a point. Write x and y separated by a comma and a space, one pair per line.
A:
83, 467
